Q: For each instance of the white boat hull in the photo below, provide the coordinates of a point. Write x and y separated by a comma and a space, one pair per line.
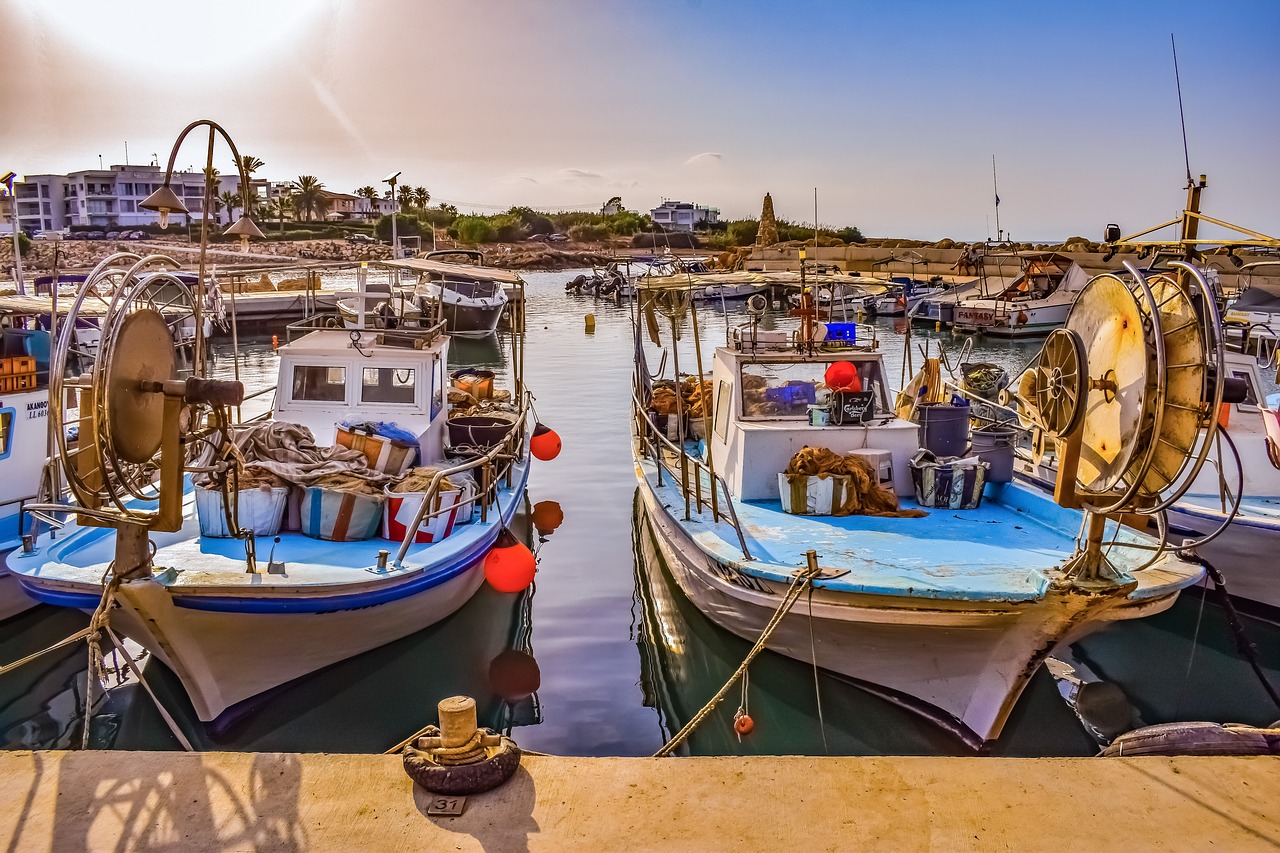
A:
963, 664
1244, 553
224, 658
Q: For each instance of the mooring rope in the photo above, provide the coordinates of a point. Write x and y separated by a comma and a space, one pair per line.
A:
798, 584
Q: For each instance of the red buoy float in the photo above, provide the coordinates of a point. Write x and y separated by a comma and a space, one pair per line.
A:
743, 724
842, 376
547, 516
545, 444
509, 566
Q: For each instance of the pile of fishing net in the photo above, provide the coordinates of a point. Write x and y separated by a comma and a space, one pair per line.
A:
864, 494
419, 480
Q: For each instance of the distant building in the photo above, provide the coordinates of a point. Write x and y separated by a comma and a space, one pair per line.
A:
611, 207
106, 198
683, 215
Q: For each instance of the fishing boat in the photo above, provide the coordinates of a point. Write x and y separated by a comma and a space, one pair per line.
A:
950, 603
905, 298
469, 297
183, 556
1034, 303
844, 294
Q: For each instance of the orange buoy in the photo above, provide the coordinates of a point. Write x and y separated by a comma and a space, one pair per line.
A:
547, 516
510, 565
275, 342
743, 724
514, 675
545, 444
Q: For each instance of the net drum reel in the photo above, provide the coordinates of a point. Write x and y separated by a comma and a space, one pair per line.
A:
137, 416
1128, 391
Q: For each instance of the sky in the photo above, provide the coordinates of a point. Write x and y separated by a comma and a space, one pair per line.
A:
891, 111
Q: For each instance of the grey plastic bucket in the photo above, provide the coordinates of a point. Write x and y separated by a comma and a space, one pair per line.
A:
994, 445
944, 428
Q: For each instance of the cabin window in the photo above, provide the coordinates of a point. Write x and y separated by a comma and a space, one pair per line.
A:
6, 432
388, 384
722, 409
787, 389
319, 384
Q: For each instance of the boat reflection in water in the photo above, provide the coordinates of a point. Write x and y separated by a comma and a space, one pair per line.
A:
685, 658
483, 351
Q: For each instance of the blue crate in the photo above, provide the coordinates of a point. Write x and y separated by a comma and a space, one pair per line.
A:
842, 332
792, 395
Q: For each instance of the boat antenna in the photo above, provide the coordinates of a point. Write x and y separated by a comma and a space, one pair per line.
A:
1186, 154
995, 189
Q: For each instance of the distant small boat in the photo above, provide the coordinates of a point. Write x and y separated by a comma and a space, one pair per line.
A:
1034, 303
470, 298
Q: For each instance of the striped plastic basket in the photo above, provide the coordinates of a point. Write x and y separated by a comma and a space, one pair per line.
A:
340, 516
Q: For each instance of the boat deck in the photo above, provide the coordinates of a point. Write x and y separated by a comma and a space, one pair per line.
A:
1001, 551
993, 552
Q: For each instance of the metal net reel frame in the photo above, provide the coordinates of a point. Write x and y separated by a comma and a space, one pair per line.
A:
1137, 496
135, 287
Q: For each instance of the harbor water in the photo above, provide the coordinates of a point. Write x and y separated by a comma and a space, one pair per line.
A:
606, 657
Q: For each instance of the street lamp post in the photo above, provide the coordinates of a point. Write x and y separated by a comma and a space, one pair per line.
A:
165, 201
395, 208
17, 249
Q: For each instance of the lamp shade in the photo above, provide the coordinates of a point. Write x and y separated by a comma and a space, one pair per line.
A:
244, 227
164, 199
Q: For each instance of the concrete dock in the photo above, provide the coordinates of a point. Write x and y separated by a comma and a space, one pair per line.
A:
65, 801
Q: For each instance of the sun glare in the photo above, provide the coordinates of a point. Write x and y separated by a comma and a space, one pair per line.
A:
231, 34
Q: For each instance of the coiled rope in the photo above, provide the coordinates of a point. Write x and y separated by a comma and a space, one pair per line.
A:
799, 583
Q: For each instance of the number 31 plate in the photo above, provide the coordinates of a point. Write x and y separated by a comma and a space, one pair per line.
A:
446, 805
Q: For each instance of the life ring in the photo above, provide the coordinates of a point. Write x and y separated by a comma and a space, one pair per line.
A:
463, 779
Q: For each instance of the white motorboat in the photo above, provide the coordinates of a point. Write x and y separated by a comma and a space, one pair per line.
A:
469, 297
1034, 303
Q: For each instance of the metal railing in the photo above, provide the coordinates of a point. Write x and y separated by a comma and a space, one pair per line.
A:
691, 482
494, 464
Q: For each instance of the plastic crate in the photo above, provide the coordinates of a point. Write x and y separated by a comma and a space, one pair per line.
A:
847, 332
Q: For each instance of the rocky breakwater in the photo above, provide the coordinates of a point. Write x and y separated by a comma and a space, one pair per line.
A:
44, 255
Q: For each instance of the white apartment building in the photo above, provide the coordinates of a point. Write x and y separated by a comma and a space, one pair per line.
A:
106, 198
683, 215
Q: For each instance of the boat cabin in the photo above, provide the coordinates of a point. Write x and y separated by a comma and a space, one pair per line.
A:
766, 385
394, 376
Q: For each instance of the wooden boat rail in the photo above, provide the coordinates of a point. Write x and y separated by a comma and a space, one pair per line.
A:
691, 482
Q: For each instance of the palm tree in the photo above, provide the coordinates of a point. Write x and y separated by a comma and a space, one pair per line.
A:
279, 208
371, 194
307, 196
230, 201
250, 164
406, 197
421, 197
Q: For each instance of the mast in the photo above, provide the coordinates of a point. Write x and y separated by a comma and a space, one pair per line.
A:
996, 190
